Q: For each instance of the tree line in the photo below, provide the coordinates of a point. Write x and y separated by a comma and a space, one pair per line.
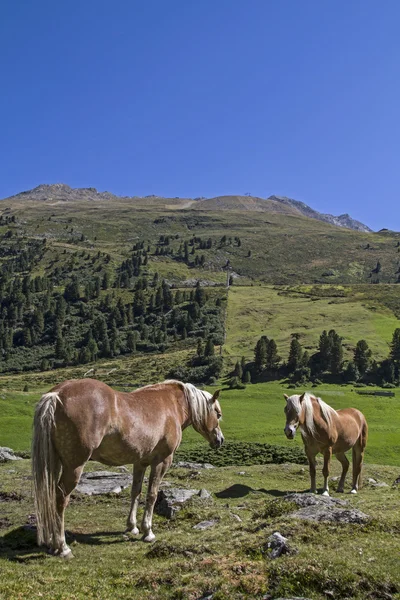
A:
326, 364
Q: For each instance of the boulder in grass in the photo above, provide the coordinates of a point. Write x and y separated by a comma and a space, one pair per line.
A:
279, 545
103, 482
171, 500
7, 454
184, 464
314, 507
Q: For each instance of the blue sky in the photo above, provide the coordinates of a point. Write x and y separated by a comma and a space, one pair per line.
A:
201, 98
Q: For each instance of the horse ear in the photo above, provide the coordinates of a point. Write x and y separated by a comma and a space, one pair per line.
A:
215, 397
286, 396
302, 397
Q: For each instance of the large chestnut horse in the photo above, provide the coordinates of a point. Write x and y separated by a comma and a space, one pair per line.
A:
328, 431
84, 419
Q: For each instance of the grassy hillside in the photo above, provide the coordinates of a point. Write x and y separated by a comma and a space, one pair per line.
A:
276, 248
368, 312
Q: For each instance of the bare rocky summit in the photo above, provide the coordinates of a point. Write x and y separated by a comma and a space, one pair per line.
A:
60, 192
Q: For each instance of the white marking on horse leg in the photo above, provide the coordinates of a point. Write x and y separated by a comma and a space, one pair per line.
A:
353, 491
325, 493
150, 537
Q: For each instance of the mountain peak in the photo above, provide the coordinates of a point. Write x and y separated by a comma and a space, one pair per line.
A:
344, 220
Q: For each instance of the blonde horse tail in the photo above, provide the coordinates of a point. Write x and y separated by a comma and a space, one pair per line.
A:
362, 442
46, 467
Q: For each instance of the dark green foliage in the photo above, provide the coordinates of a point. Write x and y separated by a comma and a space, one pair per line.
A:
243, 453
362, 356
295, 354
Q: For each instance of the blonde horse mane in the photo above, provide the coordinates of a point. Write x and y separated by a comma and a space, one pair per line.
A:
198, 401
327, 411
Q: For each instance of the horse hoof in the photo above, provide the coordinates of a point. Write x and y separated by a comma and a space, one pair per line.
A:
149, 537
353, 492
325, 493
340, 491
66, 554
133, 531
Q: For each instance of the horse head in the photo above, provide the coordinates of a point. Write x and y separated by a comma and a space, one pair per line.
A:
210, 428
293, 414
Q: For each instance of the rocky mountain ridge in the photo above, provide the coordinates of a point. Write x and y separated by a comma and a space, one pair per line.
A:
60, 192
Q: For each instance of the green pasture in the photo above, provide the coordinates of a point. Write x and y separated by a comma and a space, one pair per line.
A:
267, 310
230, 560
251, 415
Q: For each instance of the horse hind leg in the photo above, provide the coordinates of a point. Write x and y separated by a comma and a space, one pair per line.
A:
68, 481
358, 456
138, 474
342, 458
325, 470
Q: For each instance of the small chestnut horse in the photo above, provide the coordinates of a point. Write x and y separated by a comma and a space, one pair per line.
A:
328, 431
84, 419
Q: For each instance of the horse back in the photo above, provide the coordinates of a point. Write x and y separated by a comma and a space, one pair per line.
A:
84, 413
351, 426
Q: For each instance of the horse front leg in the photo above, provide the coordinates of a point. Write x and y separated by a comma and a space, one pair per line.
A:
311, 454
138, 474
157, 472
325, 470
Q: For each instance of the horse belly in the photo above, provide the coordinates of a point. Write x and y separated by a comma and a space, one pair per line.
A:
114, 451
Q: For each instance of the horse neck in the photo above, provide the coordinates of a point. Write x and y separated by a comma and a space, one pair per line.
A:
185, 413
319, 421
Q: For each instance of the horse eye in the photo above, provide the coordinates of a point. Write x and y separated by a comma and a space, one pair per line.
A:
219, 415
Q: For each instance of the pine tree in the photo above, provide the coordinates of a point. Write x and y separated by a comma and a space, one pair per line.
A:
362, 356
272, 357
395, 347
336, 352
131, 341
324, 350
209, 348
238, 371
351, 372
260, 353
200, 295
199, 350
295, 354
247, 377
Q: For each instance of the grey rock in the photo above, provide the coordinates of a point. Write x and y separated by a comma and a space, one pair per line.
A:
278, 545
236, 517
205, 525
123, 469
103, 482
7, 454
171, 500
380, 484
183, 464
325, 508
242, 473
370, 480
204, 494
396, 481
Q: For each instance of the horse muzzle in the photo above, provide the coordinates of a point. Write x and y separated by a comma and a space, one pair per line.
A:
217, 442
290, 431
